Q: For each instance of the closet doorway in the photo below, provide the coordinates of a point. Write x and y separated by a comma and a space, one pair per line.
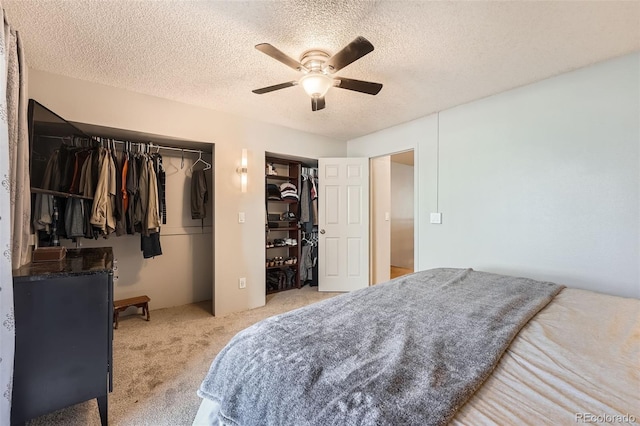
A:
392, 216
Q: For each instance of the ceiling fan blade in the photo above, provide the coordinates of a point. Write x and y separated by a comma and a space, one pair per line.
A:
275, 87
350, 53
278, 55
359, 85
317, 104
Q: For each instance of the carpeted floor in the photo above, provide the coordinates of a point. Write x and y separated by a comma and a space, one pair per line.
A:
159, 365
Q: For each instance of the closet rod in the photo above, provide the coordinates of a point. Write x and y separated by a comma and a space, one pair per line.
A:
172, 148
151, 145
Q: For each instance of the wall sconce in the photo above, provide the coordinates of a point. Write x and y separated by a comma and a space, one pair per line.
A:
242, 170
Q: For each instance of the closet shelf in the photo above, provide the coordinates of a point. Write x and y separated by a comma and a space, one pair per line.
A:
294, 266
291, 228
286, 276
281, 177
283, 201
58, 193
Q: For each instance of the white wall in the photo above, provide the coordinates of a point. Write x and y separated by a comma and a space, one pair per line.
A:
541, 181
239, 249
380, 205
402, 215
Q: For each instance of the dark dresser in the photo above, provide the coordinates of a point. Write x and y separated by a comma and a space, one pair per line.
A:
64, 332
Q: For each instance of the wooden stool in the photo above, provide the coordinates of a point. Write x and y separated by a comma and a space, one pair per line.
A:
138, 302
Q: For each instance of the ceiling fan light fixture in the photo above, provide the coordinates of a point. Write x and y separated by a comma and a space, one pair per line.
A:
318, 66
316, 85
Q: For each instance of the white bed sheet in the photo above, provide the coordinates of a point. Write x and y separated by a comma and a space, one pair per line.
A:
577, 361
579, 356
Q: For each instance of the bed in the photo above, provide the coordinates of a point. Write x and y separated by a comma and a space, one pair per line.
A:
443, 346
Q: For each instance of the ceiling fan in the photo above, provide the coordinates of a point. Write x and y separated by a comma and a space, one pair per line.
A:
318, 69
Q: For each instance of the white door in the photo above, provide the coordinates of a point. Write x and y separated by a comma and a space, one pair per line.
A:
343, 224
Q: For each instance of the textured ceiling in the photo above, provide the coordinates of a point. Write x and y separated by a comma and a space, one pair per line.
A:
429, 55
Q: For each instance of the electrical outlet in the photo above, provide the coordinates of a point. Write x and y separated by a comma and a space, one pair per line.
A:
242, 282
436, 218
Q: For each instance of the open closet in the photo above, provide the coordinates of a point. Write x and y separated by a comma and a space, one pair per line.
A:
291, 223
309, 223
163, 243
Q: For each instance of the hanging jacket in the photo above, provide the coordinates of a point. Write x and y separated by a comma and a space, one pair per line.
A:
102, 212
153, 214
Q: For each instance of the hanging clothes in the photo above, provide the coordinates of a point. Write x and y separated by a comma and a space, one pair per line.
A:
306, 264
314, 200
121, 181
305, 201
146, 216
64, 163
123, 188
43, 206
309, 201
81, 157
117, 199
74, 218
150, 245
140, 218
102, 213
153, 213
87, 184
43, 212
199, 195
305, 205
133, 193
161, 183
128, 193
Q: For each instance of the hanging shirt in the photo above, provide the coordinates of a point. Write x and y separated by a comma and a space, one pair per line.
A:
123, 189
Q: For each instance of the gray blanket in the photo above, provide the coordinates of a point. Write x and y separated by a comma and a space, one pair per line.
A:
407, 352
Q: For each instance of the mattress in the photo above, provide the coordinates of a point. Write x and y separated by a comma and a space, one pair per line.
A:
577, 361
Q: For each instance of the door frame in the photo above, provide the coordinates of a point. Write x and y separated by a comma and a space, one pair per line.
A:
416, 221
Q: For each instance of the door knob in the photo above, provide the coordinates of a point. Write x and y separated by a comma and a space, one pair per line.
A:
322, 231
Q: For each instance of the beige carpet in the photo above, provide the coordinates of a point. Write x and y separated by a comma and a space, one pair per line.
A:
159, 365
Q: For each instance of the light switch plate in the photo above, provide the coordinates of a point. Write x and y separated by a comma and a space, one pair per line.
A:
436, 218
241, 217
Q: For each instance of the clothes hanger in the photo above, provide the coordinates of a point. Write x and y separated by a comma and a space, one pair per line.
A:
207, 166
311, 238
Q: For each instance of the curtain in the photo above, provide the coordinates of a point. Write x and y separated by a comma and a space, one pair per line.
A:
17, 102
15, 197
